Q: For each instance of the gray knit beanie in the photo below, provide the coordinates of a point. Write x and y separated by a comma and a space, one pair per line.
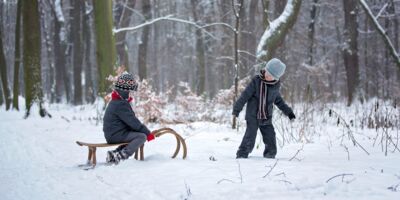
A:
276, 68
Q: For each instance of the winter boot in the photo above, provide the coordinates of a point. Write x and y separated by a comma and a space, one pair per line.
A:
117, 156
110, 157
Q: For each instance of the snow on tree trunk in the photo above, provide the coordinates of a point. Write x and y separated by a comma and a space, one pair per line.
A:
277, 30
382, 32
105, 44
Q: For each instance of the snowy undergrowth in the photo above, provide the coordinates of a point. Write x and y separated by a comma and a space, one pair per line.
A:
40, 159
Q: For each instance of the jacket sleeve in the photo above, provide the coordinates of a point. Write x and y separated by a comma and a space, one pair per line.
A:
128, 117
282, 105
244, 97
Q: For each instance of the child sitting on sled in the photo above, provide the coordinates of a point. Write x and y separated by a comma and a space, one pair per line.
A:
120, 125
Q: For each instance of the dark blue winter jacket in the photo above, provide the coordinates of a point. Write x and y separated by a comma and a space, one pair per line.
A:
251, 96
119, 118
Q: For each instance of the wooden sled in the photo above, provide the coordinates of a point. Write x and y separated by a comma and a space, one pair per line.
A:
139, 154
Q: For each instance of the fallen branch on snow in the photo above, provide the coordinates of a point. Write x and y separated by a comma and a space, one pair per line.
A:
342, 175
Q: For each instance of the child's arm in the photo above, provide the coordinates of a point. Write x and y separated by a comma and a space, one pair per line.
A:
128, 116
282, 105
244, 97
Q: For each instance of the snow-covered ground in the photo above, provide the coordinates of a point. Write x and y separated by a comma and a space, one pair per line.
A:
40, 157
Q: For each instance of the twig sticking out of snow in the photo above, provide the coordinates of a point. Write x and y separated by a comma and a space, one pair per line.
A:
240, 172
347, 150
341, 120
298, 151
270, 170
188, 192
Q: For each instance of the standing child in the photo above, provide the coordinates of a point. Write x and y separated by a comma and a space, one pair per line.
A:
120, 124
260, 94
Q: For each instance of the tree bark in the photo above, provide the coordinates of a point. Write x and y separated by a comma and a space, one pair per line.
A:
350, 50
275, 34
90, 95
60, 45
142, 58
31, 58
17, 57
236, 43
124, 21
200, 53
105, 44
3, 74
265, 4
311, 31
77, 48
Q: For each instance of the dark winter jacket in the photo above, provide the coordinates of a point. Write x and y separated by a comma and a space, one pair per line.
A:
251, 96
119, 118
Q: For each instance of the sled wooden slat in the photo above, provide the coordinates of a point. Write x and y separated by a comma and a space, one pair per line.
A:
139, 154
92, 147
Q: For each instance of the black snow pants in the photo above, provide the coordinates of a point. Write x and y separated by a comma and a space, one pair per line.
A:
135, 140
249, 139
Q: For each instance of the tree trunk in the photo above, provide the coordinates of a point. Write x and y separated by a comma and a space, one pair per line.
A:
17, 58
60, 45
350, 50
273, 37
31, 58
105, 44
142, 58
3, 73
124, 21
236, 43
87, 37
77, 49
311, 31
200, 53
265, 4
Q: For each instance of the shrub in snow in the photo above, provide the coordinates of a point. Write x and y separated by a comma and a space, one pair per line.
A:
149, 106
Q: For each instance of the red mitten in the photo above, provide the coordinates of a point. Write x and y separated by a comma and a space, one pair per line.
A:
150, 137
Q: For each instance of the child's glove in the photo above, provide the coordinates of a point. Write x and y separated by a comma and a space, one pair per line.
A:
150, 137
292, 116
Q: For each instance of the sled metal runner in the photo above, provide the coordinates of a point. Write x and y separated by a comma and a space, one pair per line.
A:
139, 154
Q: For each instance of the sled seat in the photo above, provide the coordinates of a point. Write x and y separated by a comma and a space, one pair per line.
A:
92, 147
139, 154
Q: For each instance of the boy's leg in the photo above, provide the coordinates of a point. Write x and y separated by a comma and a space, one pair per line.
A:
135, 140
248, 140
268, 134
